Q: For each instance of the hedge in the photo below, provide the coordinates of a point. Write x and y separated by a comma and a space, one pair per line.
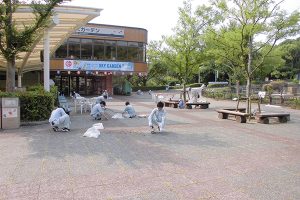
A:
35, 105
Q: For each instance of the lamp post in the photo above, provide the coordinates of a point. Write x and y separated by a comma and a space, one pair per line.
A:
199, 80
216, 75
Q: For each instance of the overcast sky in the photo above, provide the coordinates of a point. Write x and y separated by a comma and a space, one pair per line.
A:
157, 16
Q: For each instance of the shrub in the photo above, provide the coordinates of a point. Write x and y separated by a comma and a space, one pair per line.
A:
192, 85
295, 103
34, 106
219, 93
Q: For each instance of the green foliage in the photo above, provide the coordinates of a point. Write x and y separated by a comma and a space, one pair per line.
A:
217, 85
34, 105
17, 37
219, 93
275, 86
238, 39
291, 56
37, 88
295, 103
192, 85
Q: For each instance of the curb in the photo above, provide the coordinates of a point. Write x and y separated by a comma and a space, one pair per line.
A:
34, 123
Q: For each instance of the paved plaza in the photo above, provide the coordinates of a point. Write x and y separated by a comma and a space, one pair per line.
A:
197, 157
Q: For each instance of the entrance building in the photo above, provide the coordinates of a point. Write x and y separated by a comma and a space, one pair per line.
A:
94, 56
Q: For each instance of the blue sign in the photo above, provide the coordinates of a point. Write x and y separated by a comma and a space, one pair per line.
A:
98, 65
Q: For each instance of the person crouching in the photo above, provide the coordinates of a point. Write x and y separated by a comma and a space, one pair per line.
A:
98, 110
60, 120
157, 118
129, 111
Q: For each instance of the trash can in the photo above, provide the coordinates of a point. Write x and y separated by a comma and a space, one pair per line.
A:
10, 113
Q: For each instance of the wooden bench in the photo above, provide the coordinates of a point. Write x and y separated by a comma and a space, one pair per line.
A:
202, 105
240, 117
173, 104
243, 110
264, 117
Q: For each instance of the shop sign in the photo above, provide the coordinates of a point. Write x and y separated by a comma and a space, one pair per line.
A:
98, 65
108, 32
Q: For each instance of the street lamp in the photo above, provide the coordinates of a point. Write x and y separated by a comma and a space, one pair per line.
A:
199, 81
216, 75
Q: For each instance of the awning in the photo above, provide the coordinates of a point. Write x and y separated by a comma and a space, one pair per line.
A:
65, 21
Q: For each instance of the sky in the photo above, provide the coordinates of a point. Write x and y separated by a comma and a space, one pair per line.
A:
157, 16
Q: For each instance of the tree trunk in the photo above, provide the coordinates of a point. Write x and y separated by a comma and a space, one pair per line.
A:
237, 88
10, 75
249, 69
184, 92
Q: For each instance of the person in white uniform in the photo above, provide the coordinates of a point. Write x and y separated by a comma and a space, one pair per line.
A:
157, 118
98, 110
60, 120
129, 111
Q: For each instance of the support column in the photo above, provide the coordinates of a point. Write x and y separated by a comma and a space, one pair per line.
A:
46, 61
19, 80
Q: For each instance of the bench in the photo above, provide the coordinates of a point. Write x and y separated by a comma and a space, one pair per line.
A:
264, 117
243, 110
171, 103
240, 117
202, 105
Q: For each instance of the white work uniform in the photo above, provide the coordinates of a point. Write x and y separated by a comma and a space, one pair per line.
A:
60, 118
97, 111
130, 111
157, 117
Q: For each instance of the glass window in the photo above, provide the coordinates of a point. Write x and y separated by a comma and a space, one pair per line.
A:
133, 51
86, 49
74, 48
142, 52
99, 49
122, 50
110, 50
62, 51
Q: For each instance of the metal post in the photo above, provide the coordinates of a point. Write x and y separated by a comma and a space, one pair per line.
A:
199, 80
46, 61
19, 80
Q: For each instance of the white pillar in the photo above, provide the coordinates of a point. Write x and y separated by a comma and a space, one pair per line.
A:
19, 80
46, 61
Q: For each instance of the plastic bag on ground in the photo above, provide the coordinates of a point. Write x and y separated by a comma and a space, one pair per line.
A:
98, 126
117, 116
92, 132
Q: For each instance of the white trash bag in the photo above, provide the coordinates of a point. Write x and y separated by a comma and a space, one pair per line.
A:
98, 126
92, 132
117, 116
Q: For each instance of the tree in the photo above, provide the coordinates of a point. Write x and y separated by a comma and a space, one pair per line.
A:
157, 65
258, 24
223, 49
291, 56
14, 40
183, 52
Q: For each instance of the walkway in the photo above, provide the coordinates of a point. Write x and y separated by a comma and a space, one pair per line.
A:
198, 157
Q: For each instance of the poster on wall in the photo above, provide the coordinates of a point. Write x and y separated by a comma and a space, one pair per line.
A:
98, 65
9, 112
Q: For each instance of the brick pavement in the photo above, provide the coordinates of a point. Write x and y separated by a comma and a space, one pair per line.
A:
198, 157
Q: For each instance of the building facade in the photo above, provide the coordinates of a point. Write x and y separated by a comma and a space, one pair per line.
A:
95, 56
92, 59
